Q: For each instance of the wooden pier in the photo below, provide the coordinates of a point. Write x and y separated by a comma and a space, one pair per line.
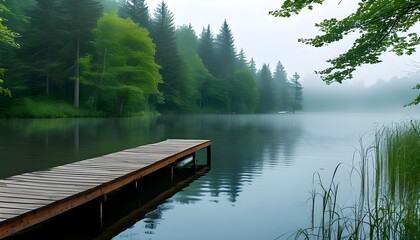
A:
31, 198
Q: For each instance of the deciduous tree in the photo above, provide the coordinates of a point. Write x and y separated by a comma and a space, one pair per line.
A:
127, 74
7, 37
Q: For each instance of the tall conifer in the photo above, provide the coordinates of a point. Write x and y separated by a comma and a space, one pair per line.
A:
281, 88
81, 17
167, 56
226, 52
137, 10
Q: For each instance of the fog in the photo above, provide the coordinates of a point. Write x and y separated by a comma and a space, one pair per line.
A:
389, 95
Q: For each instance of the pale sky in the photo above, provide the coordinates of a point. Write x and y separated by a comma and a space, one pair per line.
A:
268, 39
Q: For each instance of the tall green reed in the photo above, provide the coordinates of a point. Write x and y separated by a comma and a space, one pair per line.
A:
387, 205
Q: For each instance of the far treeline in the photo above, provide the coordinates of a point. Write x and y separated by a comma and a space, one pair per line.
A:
106, 58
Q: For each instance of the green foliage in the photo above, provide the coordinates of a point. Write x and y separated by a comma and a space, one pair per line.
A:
243, 92
80, 18
225, 52
194, 73
7, 37
382, 25
41, 43
167, 56
207, 50
45, 107
125, 71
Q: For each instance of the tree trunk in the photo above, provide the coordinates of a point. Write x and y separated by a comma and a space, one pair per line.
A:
76, 73
95, 94
47, 88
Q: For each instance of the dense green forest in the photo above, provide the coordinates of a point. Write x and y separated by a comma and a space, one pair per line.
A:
62, 58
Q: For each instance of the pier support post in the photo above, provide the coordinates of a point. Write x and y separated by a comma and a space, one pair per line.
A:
209, 156
172, 173
101, 214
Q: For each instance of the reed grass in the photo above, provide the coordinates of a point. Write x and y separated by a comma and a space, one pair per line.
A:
387, 205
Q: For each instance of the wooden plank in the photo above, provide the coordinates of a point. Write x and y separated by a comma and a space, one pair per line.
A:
38, 196
7, 215
31, 190
4, 199
13, 211
60, 180
50, 185
21, 206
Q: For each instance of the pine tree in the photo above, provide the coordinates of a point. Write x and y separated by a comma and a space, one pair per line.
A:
281, 88
242, 62
265, 82
137, 10
81, 17
194, 73
296, 93
41, 42
206, 49
253, 67
167, 56
225, 52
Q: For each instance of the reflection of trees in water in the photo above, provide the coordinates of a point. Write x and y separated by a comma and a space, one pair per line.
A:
35, 144
243, 145
153, 218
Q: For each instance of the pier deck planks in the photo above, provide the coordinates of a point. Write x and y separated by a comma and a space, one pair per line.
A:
31, 198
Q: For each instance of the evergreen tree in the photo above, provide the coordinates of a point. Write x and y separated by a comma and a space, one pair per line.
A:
41, 42
206, 49
225, 52
242, 62
9, 55
253, 67
137, 10
167, 56
296, 93
281, 88
267, 98
81, 17
194, 73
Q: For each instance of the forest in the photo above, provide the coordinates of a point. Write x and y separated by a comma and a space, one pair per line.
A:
83, 58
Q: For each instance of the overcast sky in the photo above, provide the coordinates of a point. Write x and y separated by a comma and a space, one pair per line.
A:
268, 39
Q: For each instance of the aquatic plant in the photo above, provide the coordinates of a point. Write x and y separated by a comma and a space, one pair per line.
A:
387, 205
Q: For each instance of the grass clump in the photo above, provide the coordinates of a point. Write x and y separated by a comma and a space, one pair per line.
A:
387, 205
45, 107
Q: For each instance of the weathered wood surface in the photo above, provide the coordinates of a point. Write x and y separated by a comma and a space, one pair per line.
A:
31, 198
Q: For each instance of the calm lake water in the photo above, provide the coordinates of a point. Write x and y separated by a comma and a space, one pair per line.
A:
262, 165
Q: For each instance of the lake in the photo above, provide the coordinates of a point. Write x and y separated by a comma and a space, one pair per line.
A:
262, 165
